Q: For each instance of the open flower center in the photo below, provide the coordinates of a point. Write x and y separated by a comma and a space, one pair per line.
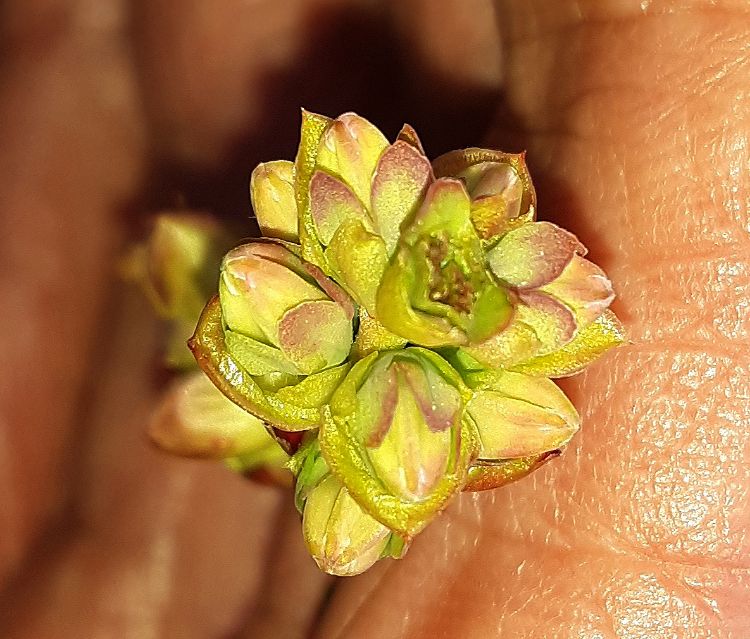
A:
447, 283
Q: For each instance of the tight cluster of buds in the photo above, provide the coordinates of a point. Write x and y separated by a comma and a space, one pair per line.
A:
392, 335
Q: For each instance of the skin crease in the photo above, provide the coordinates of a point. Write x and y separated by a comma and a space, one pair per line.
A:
636, 120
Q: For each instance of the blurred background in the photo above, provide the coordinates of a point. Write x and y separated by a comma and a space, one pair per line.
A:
111, 111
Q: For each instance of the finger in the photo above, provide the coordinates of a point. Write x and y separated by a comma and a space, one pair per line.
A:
143, 520
225, 84
452, 68
71, 153
156, 545
637, 125
206, 70
293, 586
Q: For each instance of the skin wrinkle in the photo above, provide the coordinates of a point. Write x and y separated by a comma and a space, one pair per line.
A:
643, 516
708, 275
651, 604
595, 93
681, 494
527, 603
734, 234
619, 597
723, 71
484, 529
587, 524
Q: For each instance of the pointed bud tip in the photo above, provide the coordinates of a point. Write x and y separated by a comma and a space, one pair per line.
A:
342, 538
519, 416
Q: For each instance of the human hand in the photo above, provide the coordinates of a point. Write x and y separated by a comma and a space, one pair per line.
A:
637, 134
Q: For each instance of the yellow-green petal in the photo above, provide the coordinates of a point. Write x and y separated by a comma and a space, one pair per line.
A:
395, 311
518, 416
358, 259
533, 254
604, 333
350, 149
584, 288
341, 537
343, 441
331, 204
399, 184
409, 135
373, 336
315, 335
411, 410
312, 391
256, 291
176, 267
312, 130
256, 357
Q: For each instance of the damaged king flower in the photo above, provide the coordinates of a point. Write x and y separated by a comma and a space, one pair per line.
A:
390, 339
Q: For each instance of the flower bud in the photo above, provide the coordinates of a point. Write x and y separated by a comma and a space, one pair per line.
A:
175, 268
519, 416
496, 193
175, 264
557, 293
378, 431
350, 148
395, 437
436, 290
279, 316
287, 401
358, 190
272, 197
342, 538
408, 412
499, 184
195, 420
488, 179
